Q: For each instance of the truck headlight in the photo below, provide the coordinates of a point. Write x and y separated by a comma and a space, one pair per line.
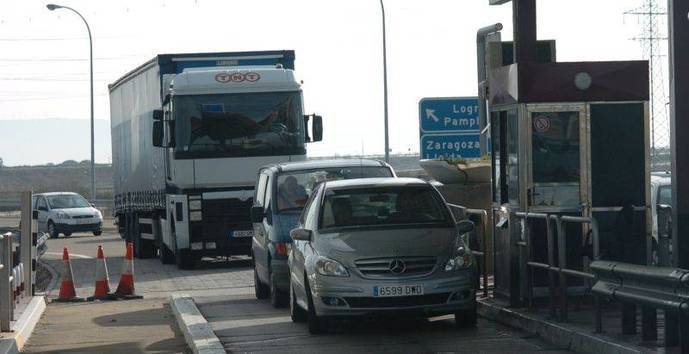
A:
195, 215
330, 267
195, 204
460, 261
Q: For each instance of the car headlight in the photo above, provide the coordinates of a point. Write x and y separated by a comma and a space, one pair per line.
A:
62, 215
330, 267
462, 260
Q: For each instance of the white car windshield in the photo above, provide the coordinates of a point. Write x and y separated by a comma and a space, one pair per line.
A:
67, 201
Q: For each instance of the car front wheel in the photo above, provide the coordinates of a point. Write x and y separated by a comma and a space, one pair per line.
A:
317, 324
297, 313
52, 231
466, 318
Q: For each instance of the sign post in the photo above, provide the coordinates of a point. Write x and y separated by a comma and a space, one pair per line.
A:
449, 128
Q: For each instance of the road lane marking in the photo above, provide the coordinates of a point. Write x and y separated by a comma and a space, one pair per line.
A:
72, 255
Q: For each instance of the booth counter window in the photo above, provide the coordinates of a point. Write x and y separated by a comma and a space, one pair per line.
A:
555, 159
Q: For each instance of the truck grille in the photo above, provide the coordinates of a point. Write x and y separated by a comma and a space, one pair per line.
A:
401, 301
395, 267
233, 209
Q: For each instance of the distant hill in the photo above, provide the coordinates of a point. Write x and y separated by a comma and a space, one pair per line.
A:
25, 142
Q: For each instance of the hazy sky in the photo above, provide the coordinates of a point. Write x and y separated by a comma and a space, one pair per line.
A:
431, 53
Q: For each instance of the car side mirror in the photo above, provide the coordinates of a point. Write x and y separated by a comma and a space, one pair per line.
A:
158, 133
317, 128
158, 114
301, 235
257, 214
465, 226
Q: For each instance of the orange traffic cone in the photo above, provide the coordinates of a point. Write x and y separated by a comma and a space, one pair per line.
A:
125, 289
67, 291
102, 280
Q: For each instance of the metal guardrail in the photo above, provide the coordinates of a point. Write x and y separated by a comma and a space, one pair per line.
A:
12, 287
652, 288
554, 268
482, 231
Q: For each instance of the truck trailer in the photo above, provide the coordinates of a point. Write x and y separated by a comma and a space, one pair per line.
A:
189, 132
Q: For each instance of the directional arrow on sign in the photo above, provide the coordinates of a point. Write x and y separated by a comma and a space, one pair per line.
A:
430, 114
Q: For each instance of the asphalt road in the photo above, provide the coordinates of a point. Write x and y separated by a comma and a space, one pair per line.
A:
223, 290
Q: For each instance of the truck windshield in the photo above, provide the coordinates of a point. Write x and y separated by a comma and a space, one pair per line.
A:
247, 124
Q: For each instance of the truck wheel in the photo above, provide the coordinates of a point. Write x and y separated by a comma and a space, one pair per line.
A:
166, 256
184, 259
52, 230
142, 248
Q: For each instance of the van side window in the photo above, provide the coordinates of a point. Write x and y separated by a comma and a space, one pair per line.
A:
41, 204
261, 189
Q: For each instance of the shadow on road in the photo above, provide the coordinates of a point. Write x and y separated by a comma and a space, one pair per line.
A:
148, 317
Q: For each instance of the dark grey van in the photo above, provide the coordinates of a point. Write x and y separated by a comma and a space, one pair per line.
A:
281, 192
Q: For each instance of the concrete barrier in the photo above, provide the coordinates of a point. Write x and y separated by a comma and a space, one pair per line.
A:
197, 332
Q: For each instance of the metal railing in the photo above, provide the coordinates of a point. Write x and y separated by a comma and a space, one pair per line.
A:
12, 287
652, 288
481, 230
554, 268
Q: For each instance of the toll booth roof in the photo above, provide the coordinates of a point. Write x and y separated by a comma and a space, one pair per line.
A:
569, 82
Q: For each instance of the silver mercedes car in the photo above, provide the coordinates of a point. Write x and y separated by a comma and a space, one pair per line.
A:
380, 246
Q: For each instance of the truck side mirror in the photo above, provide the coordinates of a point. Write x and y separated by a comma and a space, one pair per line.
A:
158, 114
317, 128
158, 133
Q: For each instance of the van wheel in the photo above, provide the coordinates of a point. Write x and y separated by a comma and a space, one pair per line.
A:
260, 289
52, 231
277, 298
68, 234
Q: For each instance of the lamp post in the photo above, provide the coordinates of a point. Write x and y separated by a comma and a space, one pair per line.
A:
385, 86
52, 7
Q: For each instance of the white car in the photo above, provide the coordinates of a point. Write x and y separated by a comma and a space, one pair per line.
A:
66, 213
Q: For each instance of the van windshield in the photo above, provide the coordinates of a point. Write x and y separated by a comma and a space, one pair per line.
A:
294, 188
382, 206
246, 124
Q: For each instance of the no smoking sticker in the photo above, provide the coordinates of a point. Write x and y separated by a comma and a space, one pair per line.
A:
541, 124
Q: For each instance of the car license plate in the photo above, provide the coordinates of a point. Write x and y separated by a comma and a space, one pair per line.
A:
397, 290
243, 233
83, 221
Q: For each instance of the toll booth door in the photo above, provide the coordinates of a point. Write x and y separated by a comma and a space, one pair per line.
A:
557, 158
619, 173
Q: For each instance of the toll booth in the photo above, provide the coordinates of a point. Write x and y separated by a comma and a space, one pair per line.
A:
568, 139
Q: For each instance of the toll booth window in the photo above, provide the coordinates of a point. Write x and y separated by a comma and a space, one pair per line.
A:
512, 170
495, 136
555, 159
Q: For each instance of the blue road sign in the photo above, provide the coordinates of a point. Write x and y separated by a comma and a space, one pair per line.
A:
449, 127
452, 146
443, 115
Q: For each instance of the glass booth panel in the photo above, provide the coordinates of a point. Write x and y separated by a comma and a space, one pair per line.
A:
555, 156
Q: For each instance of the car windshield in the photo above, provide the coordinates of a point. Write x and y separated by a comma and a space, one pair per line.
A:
66, 201
294, 188
382, 206
250, 124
